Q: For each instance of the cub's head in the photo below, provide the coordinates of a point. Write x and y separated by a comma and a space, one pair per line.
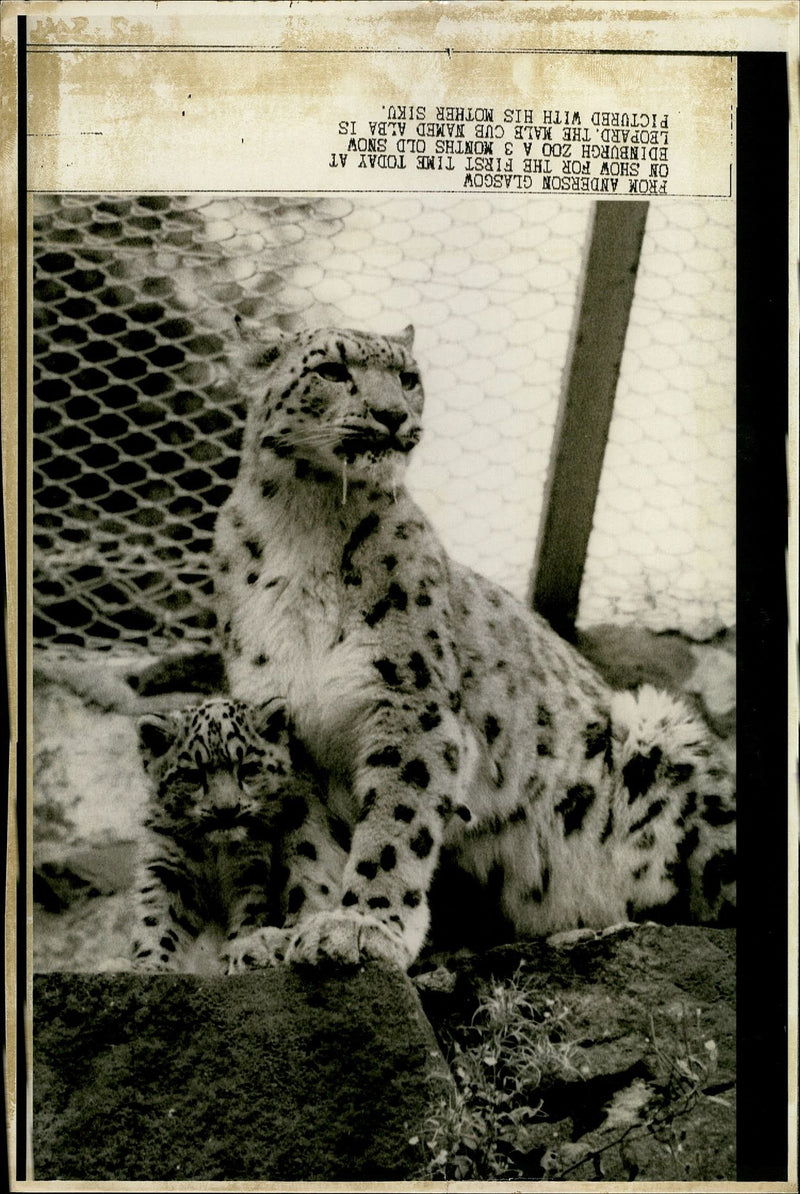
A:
222, 767
331, 403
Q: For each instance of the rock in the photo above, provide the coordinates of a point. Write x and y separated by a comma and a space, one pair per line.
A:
200, 672
714, 683
634, 1036
280, 1075
88, 781
627, 656
89, 936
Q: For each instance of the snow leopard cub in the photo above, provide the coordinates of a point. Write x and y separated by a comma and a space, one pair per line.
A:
446, 713
230, 788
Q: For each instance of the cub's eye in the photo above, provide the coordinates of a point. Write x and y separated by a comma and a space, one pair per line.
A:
409, 380
332, 371
192, 777
249, 771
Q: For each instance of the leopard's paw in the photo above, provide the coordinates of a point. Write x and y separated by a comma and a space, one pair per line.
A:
349, 938
255, 951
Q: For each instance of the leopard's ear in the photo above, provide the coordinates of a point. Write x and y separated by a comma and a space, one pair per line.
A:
255, 347
157, 732
406, 337
271, 719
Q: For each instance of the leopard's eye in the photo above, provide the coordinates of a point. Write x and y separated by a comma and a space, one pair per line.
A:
409, 380
332, 371
250, 771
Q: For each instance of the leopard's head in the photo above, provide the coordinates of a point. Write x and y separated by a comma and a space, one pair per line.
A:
331, 402
219, 768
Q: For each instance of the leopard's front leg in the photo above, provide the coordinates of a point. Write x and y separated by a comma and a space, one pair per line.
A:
253, 939
167, 922
303, 876
406, 783
313, 855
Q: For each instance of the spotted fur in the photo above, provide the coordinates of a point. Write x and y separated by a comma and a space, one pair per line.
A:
234, 825
447, 714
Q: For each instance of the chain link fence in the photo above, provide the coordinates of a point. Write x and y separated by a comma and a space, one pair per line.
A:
137, 425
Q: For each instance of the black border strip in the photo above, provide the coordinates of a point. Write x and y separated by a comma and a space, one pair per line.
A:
21, 1106
762, 376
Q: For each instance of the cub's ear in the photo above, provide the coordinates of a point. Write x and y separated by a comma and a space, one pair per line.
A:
157, 732
271, 719
406, 337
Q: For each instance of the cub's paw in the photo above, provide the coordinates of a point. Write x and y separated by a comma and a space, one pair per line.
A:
348, 938
255, 951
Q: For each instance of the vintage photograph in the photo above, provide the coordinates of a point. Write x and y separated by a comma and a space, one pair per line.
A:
208, 588
385, 553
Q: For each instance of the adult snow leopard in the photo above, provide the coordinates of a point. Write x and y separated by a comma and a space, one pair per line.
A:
445, 711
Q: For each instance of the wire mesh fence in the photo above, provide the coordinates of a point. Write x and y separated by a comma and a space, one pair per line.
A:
137, 423
663, 543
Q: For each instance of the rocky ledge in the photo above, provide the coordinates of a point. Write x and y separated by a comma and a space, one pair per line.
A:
275, 1075
596, 1056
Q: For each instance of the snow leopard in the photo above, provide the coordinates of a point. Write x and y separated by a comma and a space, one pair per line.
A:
445, 712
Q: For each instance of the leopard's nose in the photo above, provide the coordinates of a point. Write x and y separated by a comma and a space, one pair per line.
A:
224, 791
390, 418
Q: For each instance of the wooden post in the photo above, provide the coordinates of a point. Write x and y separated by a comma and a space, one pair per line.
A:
587, 401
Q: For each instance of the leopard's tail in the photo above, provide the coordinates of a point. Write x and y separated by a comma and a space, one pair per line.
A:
667, 756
